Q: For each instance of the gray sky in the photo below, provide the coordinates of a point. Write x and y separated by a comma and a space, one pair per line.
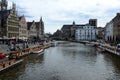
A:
55, 13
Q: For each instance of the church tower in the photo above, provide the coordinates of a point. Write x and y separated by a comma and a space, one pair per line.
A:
3, 5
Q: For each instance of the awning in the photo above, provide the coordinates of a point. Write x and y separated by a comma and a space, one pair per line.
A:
2, 55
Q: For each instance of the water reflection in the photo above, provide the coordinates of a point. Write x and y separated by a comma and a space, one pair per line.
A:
67, 61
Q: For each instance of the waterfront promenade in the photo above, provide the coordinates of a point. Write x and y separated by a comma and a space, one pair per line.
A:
5, 48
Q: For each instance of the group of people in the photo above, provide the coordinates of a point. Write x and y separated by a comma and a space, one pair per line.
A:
13, 46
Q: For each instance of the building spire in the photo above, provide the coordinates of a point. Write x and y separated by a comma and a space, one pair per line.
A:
41, 19
73, 22
3, 5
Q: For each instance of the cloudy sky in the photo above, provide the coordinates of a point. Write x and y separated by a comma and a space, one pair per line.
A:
55, 13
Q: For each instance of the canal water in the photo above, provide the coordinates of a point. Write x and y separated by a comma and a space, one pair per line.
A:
67, 61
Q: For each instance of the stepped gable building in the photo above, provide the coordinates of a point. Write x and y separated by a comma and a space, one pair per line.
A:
9, 24
32, 29
40, 28
23, 33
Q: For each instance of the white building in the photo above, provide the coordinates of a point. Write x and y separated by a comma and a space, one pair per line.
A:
86, 32
109, 31
32, 29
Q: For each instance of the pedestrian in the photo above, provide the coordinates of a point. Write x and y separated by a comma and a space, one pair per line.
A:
12, 47
17, 47
23, 46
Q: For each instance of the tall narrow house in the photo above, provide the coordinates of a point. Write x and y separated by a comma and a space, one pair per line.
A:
23, 32
9, 24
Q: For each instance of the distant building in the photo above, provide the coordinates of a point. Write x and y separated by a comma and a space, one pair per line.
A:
58, 35
93, 22
66, 29
109, 31
73, 29
100, 33
69, 31
112, 29
86, 32
23, 32
9, 24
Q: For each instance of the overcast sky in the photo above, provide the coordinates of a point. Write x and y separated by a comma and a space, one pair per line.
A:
55, 13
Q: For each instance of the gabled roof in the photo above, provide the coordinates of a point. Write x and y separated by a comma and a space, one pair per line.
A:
66, 27
29, 25
20, 17
37, 24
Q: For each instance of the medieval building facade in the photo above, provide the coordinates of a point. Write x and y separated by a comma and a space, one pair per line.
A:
9, 24
32, 29
13, 26
23, 32
35, 29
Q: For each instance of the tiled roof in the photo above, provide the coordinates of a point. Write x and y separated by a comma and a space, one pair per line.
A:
37, 24
69, 26
29, 25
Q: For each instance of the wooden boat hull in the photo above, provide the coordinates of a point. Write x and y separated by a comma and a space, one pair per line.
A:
11, 66
100, 48
37, 52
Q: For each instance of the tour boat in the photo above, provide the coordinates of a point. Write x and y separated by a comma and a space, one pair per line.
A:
6, 65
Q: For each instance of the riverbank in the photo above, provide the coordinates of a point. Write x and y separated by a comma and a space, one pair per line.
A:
104, 46
15, 57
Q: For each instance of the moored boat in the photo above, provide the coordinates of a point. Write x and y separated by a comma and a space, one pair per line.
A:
100, 48
37, 50
6, 65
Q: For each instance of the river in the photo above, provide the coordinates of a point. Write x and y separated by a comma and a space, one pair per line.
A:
67, 61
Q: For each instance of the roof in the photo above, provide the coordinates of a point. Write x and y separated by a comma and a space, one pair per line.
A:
66, 27
29, 25
4, 13
37, 24
20, 17
69, 26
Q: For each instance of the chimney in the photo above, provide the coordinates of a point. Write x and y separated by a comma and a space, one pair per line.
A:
118, 14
